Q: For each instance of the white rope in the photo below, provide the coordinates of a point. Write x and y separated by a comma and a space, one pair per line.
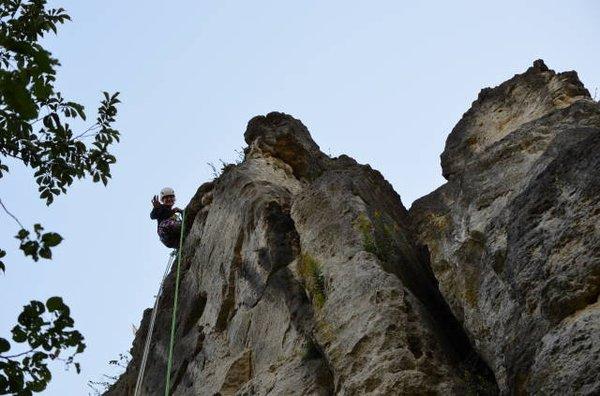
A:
138, 384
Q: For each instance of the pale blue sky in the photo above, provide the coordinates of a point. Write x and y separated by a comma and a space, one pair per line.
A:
382, 81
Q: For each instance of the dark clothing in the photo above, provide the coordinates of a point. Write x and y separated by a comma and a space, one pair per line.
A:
169, 231
161, 212
169, 226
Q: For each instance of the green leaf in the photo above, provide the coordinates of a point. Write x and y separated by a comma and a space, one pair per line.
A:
37, 228
4, 345
51, 239
78, 108
37, 386
22, 234
38, 357
18, 334
30, 248
55, 303
46, 253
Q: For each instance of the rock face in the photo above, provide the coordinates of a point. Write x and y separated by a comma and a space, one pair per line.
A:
305, 274
514, 235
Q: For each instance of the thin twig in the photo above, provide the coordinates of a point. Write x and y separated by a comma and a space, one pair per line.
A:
41, 118
96, 125
17, 355
87, 135
10, 214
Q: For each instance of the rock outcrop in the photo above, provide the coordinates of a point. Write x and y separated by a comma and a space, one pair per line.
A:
514, 235
305, 274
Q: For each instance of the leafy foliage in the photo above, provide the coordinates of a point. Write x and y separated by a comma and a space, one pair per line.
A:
47, 330
27, 96
36, 131
27, 76
40, 246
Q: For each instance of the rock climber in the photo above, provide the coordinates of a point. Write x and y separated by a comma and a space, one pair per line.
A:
169, 223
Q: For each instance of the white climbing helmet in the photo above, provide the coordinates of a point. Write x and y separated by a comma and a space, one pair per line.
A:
166, 191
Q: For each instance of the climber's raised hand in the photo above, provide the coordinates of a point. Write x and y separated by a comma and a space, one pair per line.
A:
155, 201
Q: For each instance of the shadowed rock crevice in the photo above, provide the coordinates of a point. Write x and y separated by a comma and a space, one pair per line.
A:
476, 371
282, 248
228, 304
178, 376
196, 311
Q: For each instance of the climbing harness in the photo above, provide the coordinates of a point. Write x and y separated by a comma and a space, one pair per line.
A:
140, 378
173, 317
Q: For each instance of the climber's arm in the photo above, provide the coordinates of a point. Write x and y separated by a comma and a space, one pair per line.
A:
154, 214
156, 209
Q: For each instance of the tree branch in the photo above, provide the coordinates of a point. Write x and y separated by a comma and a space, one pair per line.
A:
17, 355
82, 134
10, 214
39, 119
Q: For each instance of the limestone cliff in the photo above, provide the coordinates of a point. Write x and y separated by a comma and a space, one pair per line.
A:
305, 274
514, 235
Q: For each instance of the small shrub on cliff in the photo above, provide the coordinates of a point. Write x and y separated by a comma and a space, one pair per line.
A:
366, 229
378, 237
226, 166
102, 385
313, 279
472, 251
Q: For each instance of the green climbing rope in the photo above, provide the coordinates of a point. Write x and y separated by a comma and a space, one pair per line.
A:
172, 341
